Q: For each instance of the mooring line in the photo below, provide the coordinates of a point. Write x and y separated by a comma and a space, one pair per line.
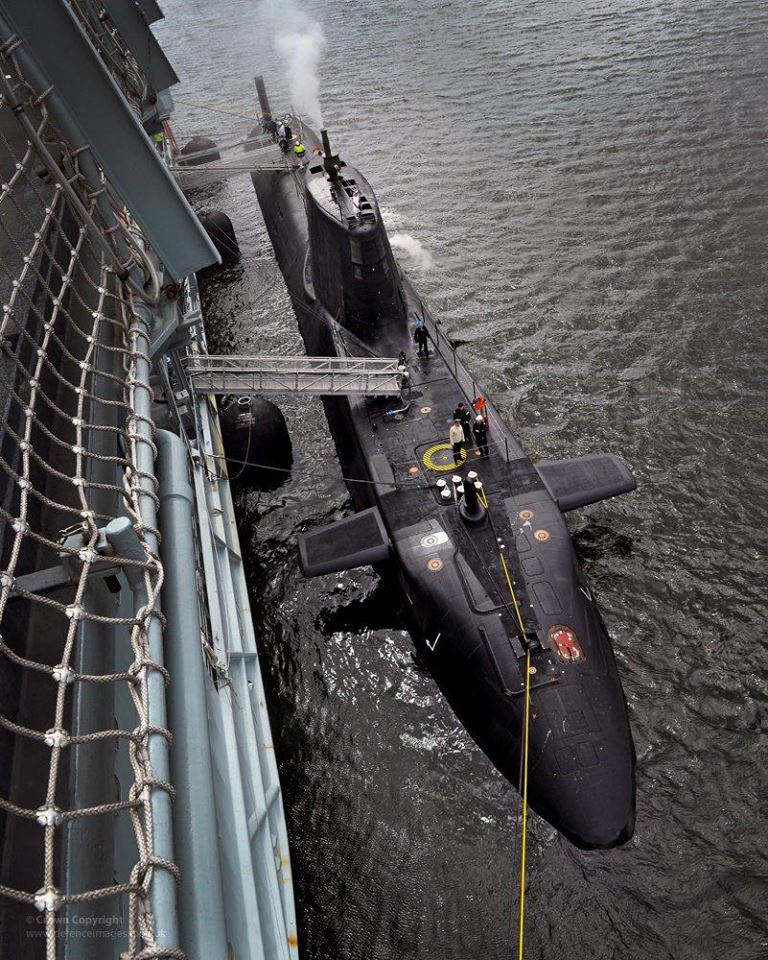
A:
524, 759
524, 830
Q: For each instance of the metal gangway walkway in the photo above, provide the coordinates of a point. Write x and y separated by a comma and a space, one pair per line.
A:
318, 376
257, 153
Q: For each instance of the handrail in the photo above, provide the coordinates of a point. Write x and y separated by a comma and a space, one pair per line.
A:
200, 362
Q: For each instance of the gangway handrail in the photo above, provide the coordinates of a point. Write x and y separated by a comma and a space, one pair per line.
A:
206, 361
352, 376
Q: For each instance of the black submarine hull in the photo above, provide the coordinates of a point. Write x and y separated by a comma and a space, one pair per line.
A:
581, 755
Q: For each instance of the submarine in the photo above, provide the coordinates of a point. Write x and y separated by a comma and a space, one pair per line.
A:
500, 608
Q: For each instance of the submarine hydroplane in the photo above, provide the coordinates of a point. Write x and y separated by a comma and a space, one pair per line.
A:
482, 552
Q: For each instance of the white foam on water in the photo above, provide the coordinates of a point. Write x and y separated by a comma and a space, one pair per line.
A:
420, 256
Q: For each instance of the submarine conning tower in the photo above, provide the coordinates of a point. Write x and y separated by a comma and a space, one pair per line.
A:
354, 273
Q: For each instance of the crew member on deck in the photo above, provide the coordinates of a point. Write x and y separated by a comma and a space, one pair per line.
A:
299, 150
479, 406
269, 126
402, 368
480, 431
465, 419
357, 201
456, 438
421, 337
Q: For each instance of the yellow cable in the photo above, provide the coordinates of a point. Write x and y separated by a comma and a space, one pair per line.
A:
512, 594
526, 738
524, 831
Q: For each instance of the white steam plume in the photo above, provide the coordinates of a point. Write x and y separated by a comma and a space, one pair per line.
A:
299, 41
421, 257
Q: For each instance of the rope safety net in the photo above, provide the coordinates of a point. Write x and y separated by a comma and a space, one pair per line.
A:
83, 766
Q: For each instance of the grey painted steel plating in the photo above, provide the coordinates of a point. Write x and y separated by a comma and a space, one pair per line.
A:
163, 894
256, 874
201, 906
248, 829
99, 115
132, 24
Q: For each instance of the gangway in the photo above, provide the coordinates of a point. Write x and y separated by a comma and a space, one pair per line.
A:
317, 376
249, 156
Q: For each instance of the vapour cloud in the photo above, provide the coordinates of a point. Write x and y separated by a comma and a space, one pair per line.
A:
419, 254
299, 41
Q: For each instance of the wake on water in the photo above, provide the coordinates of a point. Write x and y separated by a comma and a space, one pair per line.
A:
421, 258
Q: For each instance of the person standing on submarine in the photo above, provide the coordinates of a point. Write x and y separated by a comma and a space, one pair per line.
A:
421, 337
465, 419
480, 431
480, 407
456, 439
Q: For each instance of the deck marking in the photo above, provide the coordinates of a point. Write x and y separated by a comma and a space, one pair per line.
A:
440, 458
434, 539
434, 643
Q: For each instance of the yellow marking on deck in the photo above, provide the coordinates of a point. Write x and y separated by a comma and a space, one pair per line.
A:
435, 565
440, 458
542, 535
526, 514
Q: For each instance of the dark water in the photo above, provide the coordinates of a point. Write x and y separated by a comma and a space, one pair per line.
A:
590, 179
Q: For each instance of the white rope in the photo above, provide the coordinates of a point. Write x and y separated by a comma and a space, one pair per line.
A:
69, 361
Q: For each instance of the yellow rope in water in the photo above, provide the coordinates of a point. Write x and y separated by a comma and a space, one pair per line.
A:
524, 829
526, 728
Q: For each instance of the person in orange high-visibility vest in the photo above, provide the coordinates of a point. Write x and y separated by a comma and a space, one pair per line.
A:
479, 406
